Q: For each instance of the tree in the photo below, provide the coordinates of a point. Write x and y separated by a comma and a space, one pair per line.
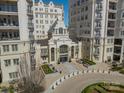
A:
29, 81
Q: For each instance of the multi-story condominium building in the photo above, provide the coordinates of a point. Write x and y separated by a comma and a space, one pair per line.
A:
119, 34
58, 47
94, 22
16, 32
45, 14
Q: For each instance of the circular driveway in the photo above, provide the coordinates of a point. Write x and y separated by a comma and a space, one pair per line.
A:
77, 83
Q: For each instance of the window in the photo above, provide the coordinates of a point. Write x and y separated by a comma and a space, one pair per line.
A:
46, 16
55, 10
41, 21
13, 75
44, 52
86, 17
122, 33
122, 24
60, 30
98, 24
7, 62
41, 15
37, 21
86, 8
51, 16
46, 21
36, 15
52, 54
15, 47
72, 52
109, 49
16, 61
64, 49
5, 48
41, 9
123, 15
46, 9
51, 10
36, 9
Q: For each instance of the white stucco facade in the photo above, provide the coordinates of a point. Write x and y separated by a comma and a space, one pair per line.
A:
15, 36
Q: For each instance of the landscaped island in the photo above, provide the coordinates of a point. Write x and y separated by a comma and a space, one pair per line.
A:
104, 88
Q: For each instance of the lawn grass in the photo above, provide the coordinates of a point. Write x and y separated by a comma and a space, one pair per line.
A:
47, 69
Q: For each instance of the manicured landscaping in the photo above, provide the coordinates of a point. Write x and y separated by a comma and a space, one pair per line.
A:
89, 62
6, 90
104, 88
47, 69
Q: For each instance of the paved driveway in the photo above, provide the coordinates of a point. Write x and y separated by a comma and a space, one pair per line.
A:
77, 83
69, 67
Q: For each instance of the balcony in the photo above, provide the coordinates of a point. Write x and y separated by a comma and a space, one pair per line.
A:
97, 35
8, 9
9, 22
116, 57
110, 33
112, 16
9, 27
117, 50
29, 10
111, 24
99, 7
9, 35
99, 17
112, 7
118, 42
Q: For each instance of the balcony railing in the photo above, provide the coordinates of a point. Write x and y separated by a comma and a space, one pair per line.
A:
6, 38
9, 35
9, 26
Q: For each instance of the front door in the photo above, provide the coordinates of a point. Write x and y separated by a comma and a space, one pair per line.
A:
63, 59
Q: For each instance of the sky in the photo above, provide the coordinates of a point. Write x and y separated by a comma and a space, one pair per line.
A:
65, 3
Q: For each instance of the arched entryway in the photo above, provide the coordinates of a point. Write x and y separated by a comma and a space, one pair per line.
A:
63, 53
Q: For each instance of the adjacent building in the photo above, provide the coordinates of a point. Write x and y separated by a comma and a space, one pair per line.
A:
95, 23
56, 46
16, 37
45, 14
119, 34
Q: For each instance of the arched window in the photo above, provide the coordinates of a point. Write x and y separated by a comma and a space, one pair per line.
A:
64, 49
72, 52
52, 54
